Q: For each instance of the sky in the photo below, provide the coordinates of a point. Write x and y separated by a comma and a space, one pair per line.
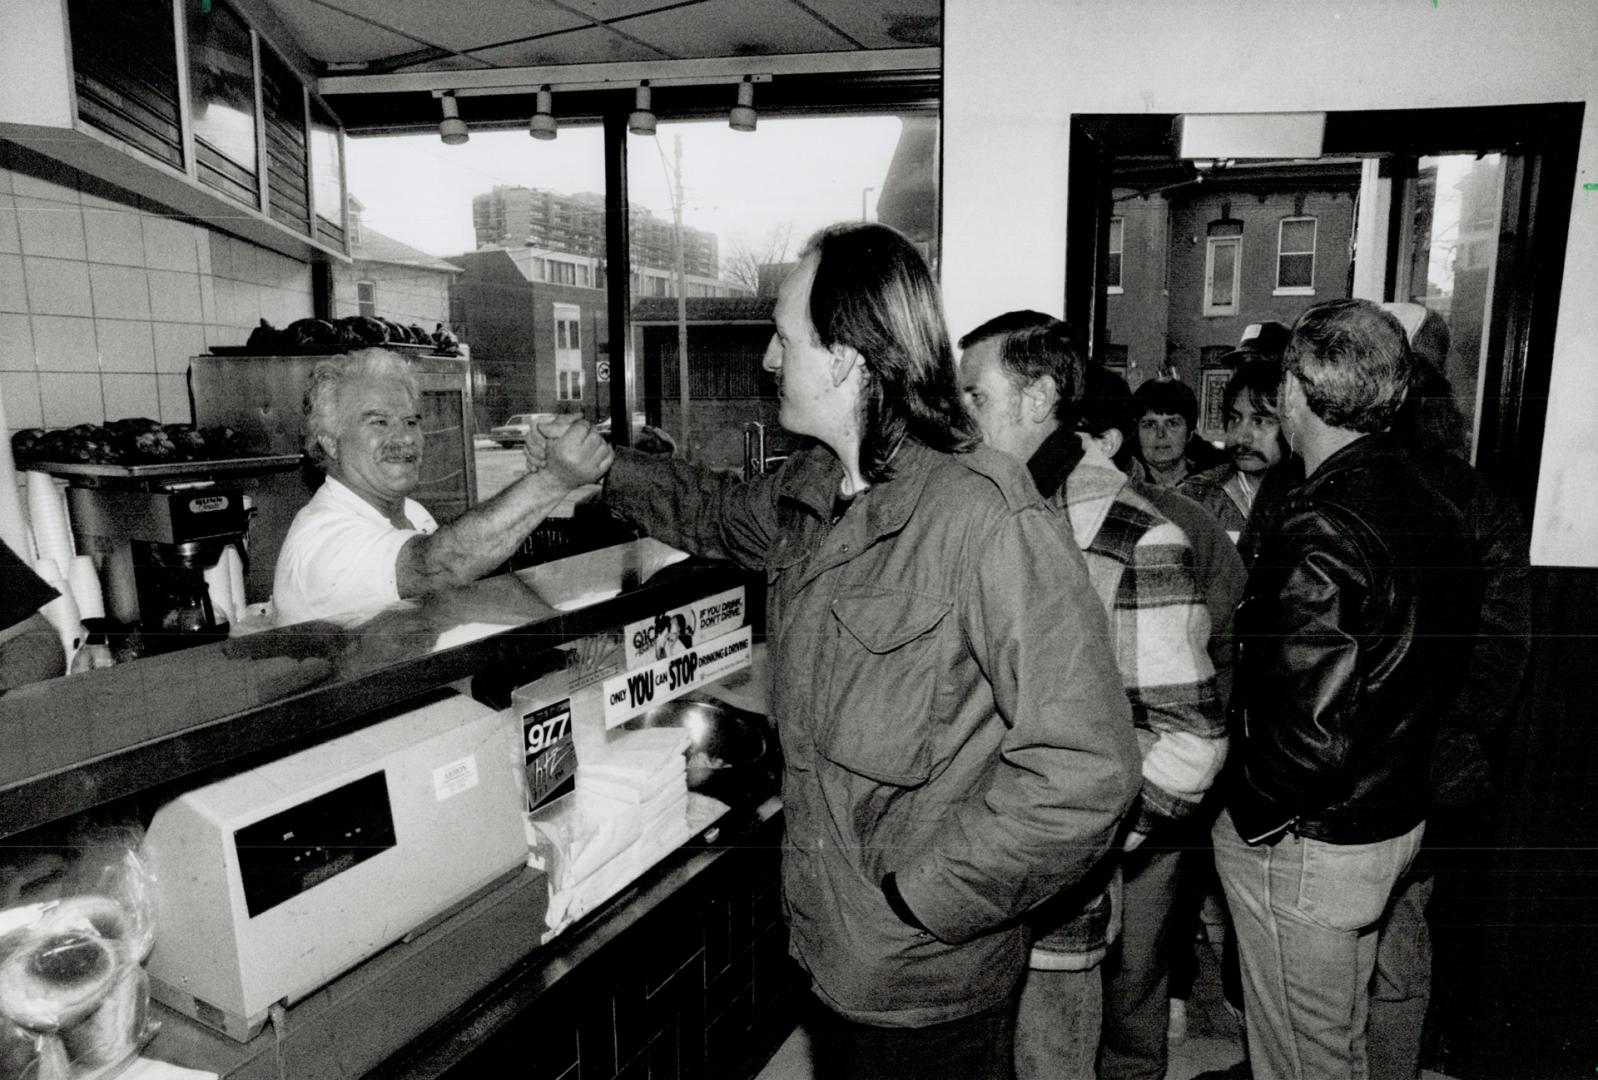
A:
803, 173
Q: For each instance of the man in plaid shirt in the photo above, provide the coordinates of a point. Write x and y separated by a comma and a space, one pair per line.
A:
1035, 398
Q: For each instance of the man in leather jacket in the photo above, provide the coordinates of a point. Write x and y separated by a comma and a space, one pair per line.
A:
1355, 624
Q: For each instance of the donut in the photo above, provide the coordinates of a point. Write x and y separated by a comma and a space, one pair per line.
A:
86, 915
57, 979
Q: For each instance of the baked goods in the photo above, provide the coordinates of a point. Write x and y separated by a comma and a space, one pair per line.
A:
56, 980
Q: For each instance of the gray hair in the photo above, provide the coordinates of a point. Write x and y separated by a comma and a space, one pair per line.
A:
330, 376
1353, 360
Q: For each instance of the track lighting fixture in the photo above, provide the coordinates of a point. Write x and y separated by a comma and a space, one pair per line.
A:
743, 117
641, 121
542, 125
452, 129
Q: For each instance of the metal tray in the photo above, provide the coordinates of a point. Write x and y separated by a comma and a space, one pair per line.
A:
213, 466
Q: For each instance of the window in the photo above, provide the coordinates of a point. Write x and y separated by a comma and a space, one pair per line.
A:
1112, 272
366, 298
562, 272
1222, 267
568, 351
1295, 257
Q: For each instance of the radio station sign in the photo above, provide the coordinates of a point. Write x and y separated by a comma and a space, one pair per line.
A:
629, 695
679, 630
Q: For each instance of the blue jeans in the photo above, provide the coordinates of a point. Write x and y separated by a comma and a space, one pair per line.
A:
1307, 915
1057, 1028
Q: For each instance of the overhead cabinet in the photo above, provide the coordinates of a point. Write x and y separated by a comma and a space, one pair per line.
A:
185, 103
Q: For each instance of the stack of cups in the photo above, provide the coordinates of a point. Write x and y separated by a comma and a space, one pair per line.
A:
62, 612
235, 576
51, 533
220, 586
85, 583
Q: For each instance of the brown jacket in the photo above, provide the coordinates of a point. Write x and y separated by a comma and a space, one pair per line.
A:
948, 704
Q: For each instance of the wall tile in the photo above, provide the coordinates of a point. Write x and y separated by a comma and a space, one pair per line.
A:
16, 343
169, 244
13, 294
71, 398
283, 306
114, 236
175, 297
65, 343
5, 175
120, 292
202, 250
244, 260
221, 254
55, 181
174, 391
100, 195
19, 391
10, 239
52, 229
131, 395
57, 287
174, 344
125, 345
208, 307
237, 304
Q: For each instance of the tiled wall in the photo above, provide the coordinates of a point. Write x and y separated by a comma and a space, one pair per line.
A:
104, 296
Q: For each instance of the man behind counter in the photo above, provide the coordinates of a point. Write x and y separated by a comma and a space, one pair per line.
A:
956, 742
361, 542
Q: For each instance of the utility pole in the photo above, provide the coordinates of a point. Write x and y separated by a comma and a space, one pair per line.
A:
682, 310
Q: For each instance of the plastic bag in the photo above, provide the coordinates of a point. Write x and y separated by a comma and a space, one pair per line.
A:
75, 929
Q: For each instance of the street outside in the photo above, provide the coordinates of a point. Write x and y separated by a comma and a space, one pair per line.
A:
497, 467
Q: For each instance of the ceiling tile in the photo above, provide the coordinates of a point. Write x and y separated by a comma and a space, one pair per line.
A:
736, 28
885, 24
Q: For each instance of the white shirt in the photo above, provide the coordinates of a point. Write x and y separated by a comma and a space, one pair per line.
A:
340, 556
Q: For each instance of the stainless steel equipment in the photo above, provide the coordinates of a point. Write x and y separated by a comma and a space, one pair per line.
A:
273, 882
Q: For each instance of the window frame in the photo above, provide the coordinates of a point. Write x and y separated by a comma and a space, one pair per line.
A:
1315, 239
1115, 254
1211, 308
568, 371
367, 306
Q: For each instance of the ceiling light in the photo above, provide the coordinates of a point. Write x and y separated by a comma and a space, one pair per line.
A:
452, 129
641, 121
542, 125
742, 117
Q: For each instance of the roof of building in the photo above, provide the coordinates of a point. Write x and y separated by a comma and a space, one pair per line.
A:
369, 245
705, 309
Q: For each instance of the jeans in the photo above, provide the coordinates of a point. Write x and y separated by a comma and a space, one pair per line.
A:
1307, 914
977, 1047
1403, 983
1137, 1007
1057, 1029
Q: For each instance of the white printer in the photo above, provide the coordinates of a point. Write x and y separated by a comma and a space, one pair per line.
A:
272, 882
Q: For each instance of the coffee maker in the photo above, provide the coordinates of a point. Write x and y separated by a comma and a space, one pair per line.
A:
156, 545
153, 530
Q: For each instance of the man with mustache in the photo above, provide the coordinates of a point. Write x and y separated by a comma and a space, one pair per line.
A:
1253, 439
361, 542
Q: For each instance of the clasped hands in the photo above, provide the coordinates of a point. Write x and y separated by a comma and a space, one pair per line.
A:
569, 448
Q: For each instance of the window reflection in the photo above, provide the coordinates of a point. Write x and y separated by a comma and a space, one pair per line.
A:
222, 92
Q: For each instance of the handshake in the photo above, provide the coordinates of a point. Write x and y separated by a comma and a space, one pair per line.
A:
569, 448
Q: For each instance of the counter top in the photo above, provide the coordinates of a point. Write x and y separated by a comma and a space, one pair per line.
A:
87, 740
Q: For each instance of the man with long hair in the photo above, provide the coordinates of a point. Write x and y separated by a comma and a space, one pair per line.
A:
957, 745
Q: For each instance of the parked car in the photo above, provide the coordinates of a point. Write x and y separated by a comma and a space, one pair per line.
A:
513, 431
